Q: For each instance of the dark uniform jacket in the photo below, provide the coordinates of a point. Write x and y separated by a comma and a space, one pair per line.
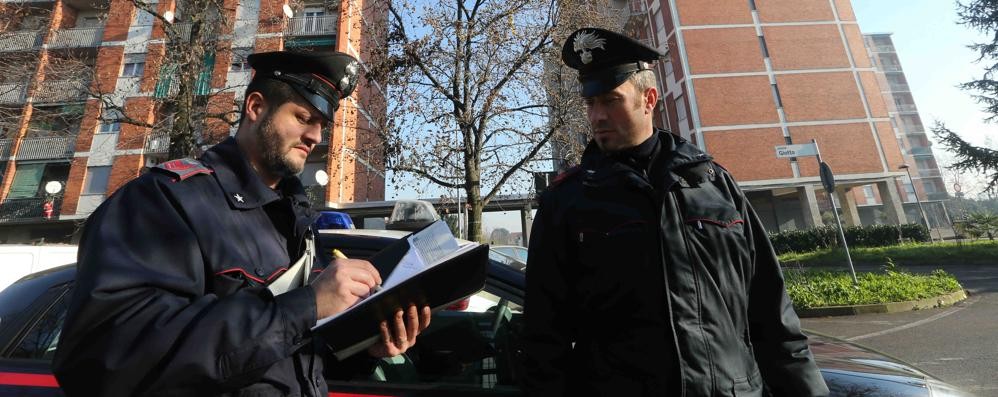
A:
170, 296
658, 280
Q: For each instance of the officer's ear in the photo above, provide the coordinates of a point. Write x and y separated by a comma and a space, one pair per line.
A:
256, 107
650, 99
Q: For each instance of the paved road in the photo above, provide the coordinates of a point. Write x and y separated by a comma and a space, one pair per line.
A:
958, 344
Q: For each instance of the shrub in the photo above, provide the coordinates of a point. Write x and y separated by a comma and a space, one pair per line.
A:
817, 288
857, 236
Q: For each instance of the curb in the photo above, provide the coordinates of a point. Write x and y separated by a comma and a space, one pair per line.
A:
893, 307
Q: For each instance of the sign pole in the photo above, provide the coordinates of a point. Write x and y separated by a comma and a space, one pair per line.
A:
828, 180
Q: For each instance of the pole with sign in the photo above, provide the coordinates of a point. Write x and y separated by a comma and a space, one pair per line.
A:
828, 181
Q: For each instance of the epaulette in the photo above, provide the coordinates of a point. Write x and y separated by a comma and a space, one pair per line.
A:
562, 177
181, 169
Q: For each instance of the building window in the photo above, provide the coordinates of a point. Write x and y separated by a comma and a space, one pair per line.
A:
239, 63
110, 123
680, 108
868, 193
668, 68
135, 64
96, 181
909, 191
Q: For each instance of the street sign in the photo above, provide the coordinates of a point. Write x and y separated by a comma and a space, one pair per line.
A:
802, 150
827, 178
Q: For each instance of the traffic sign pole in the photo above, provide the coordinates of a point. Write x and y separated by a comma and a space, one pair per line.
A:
828, 180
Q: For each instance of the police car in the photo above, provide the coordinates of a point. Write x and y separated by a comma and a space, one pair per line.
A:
466, 351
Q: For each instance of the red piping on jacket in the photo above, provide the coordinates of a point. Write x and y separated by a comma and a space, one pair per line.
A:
35, 380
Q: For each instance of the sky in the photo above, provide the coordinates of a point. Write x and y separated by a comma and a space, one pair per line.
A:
933, 53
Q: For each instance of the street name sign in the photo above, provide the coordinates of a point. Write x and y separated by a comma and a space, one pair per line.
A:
802, 150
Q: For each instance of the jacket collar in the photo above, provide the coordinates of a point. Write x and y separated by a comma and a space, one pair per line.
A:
242, 186
674, 155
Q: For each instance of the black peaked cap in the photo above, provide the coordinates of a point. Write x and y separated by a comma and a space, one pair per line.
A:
605, 59
322, 78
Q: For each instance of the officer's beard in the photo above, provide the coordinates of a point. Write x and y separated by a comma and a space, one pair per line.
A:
274, 152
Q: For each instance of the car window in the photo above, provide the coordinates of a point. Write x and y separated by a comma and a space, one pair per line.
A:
470, 348
34, 332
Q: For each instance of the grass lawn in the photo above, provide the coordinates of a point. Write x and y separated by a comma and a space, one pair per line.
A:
817, 288
981, 252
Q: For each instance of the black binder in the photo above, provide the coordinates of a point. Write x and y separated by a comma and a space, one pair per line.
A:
437, 287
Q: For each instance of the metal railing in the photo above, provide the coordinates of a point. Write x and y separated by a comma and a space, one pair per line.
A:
26, 209
13, 94
61, 91
890, 68
158, 143
5, 147
46, 148
920, 151
907, 108
77, 38
883, 48
312, 26
20, 41
899, 87
931, 173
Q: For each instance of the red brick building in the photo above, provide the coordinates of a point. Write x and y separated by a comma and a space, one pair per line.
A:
744, 76
53, 131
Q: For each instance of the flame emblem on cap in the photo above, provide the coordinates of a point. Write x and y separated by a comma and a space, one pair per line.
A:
585, 42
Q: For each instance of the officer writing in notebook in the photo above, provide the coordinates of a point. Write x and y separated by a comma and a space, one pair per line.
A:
649, 273
192, 278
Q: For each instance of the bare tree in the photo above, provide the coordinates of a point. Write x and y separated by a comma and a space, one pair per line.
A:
476, 91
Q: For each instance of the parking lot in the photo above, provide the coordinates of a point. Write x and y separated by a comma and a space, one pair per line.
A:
957, 344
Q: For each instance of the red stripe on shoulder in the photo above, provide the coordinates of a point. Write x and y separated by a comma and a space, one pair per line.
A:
565, 175
21, 379
182, 169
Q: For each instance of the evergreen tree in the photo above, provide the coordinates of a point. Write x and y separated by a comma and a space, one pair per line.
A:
980, 15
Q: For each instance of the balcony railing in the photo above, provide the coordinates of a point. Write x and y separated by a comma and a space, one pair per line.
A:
27, 209
20, 41
929, 173
890, 68
77, 38
12, 94
5, 147
158, 143
46, 148
899, 87
907, 108
920, 151
52, 91
883, 48
312, 26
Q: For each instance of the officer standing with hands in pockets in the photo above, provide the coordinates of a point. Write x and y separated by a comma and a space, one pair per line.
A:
649, 273
197, 278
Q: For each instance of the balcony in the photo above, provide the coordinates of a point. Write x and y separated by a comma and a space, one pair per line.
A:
899, 87
12, 94
312, 26
56, 91
158, 143
27, 209
934, 196
20, 41
920, 151
907, 107
882, 48
77, 38
890, 68
5, 147
47, 148
931, 173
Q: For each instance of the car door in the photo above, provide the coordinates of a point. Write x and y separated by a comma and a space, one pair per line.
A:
29, 333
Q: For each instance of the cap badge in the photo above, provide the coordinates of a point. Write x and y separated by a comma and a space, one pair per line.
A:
585, 42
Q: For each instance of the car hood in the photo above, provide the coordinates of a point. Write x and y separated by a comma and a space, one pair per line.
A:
854, 370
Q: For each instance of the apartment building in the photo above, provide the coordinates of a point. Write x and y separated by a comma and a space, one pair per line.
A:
744, 76
62, 153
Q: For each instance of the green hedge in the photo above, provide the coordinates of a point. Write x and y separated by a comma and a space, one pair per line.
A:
856, 236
